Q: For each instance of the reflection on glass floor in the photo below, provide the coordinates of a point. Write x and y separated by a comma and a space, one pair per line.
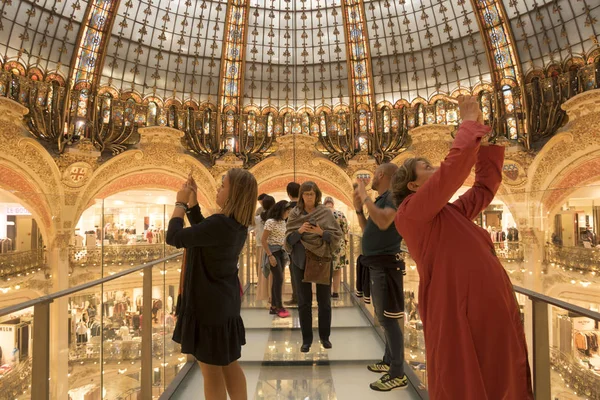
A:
276, 369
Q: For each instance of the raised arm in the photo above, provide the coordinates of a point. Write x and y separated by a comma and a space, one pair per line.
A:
488, 176
429, 199
204, 234
194, 215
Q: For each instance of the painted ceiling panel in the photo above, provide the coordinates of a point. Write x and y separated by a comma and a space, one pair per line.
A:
553, 31
167, 48
40, 34
422, 48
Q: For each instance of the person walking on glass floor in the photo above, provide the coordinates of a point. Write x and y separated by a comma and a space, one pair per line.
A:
383, 268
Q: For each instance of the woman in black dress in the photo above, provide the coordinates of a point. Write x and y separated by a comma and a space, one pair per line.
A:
209, 325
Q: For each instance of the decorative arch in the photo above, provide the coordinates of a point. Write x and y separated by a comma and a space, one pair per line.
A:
582, 174
28, 169
561, 161
20, 296
24, 192
278, 183
191, 103
573, 292
270, 109
160, 154
110, 90
275, 172
147, 180
402, 103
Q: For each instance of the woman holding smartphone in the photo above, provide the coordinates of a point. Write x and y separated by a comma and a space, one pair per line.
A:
312, 228
209, 325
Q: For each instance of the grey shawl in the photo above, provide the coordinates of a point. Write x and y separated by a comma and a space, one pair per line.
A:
313, 242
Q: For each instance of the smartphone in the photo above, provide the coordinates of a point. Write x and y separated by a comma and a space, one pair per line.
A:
312, 222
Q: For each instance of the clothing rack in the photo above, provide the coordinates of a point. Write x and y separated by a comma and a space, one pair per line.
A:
586, 342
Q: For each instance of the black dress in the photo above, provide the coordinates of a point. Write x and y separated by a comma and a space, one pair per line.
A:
209, 325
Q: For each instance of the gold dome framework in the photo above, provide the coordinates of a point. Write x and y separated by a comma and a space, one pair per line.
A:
233, 75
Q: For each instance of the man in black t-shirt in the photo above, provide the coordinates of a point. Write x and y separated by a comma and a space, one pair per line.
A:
382, 256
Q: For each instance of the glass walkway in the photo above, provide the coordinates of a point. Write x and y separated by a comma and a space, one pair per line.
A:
276, 369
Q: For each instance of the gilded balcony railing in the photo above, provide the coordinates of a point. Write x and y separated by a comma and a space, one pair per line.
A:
575, 374
579, 259
510, 251
117, 255
20, 263
16, 381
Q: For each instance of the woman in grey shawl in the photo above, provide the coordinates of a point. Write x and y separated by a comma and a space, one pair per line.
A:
311, 226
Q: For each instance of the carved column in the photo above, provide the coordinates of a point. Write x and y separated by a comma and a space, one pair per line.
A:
583, 105
58, 260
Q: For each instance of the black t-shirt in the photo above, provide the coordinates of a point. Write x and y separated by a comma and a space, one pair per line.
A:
376, 242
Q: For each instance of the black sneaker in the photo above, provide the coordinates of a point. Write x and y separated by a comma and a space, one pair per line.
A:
386, 383
273, 311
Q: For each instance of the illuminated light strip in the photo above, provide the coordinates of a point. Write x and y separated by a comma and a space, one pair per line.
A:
89, 48
233, 55
499, 40
361, 76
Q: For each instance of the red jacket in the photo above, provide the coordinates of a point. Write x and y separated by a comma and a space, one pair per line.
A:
474, 337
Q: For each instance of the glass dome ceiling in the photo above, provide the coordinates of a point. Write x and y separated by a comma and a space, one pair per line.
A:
288, 53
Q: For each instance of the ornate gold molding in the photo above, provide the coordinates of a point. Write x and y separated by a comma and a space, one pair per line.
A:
297, 155
159, 152
430, 141
582, 105
12, 112
579, 138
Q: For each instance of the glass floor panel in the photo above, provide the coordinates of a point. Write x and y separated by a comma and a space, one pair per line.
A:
276, 369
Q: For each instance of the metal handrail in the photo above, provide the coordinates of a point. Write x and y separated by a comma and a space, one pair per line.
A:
66, 292
558, 303
540, 320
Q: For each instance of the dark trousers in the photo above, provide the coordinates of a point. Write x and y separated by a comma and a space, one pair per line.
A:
294, 291
394, 338
304, 292
277, 286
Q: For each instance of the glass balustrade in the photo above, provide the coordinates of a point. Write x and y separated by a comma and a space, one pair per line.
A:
115, 327
554, 263
544, 246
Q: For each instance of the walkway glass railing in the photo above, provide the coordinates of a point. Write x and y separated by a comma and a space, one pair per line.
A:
109, 338
105, 339
115, 352
562, 338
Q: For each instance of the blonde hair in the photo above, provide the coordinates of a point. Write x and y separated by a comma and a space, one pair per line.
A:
241, 201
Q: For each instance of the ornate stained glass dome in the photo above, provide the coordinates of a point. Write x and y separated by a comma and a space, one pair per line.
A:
233, 74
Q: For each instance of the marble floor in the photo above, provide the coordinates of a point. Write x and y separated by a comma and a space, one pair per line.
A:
276, 369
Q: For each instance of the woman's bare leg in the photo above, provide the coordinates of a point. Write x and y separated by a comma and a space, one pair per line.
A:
235, 381
214, 382
337, 280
